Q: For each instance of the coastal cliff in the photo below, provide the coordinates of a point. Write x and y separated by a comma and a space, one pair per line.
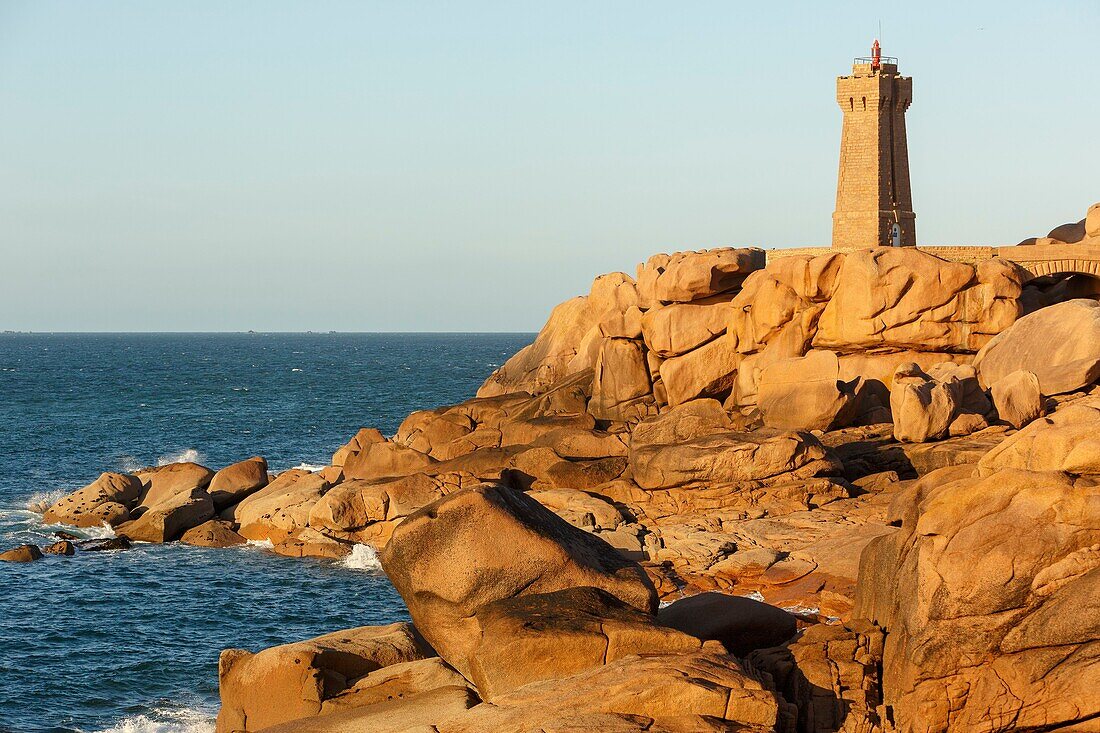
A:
854, 491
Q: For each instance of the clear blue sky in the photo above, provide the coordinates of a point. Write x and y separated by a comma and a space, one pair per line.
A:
366, 166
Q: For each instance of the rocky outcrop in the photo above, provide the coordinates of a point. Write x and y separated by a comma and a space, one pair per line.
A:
802, 457
986, 594
806, 393
64, 548
164, 482
294, 681
726, 458
922, 407
702, 691
169, 518
104, 501
684, 277
830, 674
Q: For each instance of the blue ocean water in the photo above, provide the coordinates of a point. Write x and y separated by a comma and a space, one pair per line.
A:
128, 641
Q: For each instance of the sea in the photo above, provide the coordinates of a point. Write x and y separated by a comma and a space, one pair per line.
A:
128, 641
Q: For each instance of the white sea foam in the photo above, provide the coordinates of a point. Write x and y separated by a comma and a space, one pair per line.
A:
40, 501
129, 464
362, 557
262, 544
105, 532
295, 369
756, 596
165, 721
314, 467
187, 455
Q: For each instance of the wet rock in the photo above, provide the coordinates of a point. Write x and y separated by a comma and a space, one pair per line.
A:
64, 547
104, 501
113, 543
23, 553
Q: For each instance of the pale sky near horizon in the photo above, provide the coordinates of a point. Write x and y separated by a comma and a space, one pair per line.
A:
464, 166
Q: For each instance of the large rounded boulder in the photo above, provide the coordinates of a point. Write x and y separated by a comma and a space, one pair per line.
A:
1060, 344
479, 545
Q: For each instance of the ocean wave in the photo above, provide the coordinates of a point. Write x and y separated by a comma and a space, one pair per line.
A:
129, 464
362, 557
40, 501
184, 720
104, 532
262, 544
187, 455
314, 467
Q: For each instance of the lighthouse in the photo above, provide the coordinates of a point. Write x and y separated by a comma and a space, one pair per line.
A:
874, 201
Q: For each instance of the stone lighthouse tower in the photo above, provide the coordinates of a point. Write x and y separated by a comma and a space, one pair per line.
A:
874, 203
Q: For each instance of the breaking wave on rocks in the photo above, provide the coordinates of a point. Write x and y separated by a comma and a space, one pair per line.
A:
185, 720
314, 467
187, 455
362, 557
40, 501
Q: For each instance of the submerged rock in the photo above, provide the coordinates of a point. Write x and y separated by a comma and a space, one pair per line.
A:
113, 543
